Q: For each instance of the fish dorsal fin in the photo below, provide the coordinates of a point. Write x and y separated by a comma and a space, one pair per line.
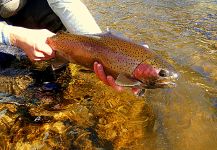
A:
61, 32
144, 44
113, 33
110, 33
125, 81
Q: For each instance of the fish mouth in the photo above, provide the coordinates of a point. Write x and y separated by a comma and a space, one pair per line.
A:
161, 82
167, 82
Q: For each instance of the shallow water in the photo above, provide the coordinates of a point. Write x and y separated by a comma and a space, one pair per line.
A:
89, 115
185, 33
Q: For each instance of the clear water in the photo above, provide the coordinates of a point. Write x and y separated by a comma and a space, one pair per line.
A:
90, 115
185, 33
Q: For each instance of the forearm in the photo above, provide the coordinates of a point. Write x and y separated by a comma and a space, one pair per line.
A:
18, 36
10, 35
75, 16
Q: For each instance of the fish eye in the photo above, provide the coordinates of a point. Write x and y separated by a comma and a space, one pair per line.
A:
163, 73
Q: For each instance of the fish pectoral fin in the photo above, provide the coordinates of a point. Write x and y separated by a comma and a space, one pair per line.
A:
141, 92
125, 81
58, 63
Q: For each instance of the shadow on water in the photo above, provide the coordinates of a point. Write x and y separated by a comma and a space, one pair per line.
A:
82, 113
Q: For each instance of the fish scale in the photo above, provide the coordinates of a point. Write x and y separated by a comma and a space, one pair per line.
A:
95, 48
119, 57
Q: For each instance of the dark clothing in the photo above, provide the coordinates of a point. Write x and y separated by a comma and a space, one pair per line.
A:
36, 14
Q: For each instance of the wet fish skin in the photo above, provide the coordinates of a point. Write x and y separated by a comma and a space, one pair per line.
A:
85, 50
138, 64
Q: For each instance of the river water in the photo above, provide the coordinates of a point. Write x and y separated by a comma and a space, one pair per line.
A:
185, 33
90, 115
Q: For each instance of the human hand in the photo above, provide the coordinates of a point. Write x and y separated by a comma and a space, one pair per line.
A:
33, 42
109, 80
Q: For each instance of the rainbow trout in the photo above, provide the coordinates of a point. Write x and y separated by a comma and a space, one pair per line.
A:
131, 64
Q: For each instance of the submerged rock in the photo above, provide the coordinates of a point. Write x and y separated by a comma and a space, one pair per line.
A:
77, 111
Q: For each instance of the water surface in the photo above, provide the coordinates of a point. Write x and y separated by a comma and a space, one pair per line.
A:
185, 33
86, 114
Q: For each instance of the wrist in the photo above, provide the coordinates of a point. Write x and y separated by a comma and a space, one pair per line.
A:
16, 36
4, 34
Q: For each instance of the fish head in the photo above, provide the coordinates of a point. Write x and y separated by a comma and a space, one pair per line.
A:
155, 73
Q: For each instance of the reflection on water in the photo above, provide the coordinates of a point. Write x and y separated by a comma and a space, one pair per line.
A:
185, 33
88, 115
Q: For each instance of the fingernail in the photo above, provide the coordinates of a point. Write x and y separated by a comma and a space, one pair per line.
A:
99, 66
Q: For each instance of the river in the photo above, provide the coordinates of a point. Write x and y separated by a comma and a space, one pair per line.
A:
185, 33
89, 115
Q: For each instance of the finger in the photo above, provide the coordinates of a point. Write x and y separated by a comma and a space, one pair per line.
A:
95, 69
47, 57
36, 59
112, 83
50, 34
38, 54
135, 91
101, 74
138, 92
46, 49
